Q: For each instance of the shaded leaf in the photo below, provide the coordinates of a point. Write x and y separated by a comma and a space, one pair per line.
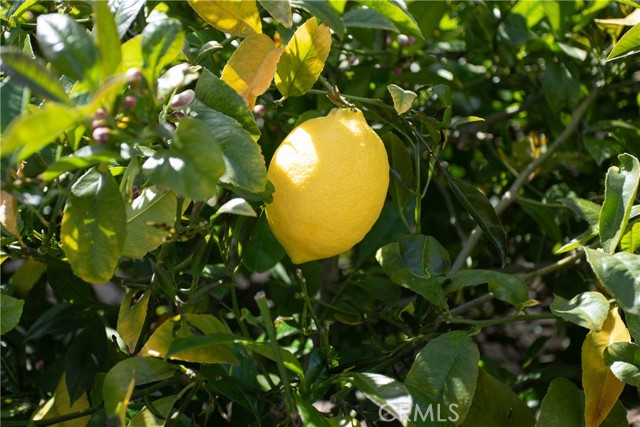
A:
620, 275
162, 41
562, 406
266, 350
60, 405
387, 393
303, 59
423, 255
506, 287
601, 387
149, 218
124, 13
481, 210
621, 187
446, 371
323, 11
84, 359
402, 172
93, 228
251, 68
263, 251
561, 85
32, 73
628, 44
280, 10
70, 287
395, 11
10, 312
131, 317
309, 415
367, 18
623, 358
402, 99
85, 157
236, 17
12, 99
587, 309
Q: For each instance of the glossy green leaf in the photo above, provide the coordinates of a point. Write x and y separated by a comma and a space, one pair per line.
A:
131, 317
280, 10
107, 39
149, 218
390, 258
85, 157
367, 18
32, 131
496, 405
140, 371
309, 415
423, 255
124, 13
481, 210
587, 309
263, 251
84, 359
94, 226
396, 13
162, 42
577, 241
623, 358
446, 370
620, 275
630, 241
67, 45
193, 150
303, 59
323, 11
402, 99
10, 312
237, 206
628, 44
562, 406
387, 393
30, 72
621, 187
219, 96
244, 165
505, 287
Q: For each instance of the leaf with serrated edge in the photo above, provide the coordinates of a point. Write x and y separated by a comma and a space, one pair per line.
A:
252, 67
601, 387
303, 59
236, 17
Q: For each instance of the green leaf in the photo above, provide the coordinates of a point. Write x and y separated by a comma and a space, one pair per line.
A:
10, 312
367, 18
32, 131
219, 96
69, 287
67, 45
140, 371
12, 98
149, 217
562, 406
323, 11
243, 161
131, 317
107, 39
623, 358
309, 415
162, 42
280, 10
585, 209
93, 228
32, 73
423, 255
628, 44
303, 59
496, 405
387, 393
192, 164
630, 241
266, 350
237, 206
84, 359
587, 309
204, 344
85, 157
402, 99
620, 275
124, 13
158, 417
621, 187
561, 86
481, 210
238, 18
576, 242
446, 370
505, 287
263, 251
390, 258
402, 171
394, 10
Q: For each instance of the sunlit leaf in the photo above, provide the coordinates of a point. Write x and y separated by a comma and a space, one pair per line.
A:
85, 157
628, 44
386, 392
623, 358
324, 12
251, 67
131, 317
162, 42
107, 39
309, 415
402, 99
601, 387
236, 17
125, 12
630, 241
367, 18
158, 417
237, 206
303, 59
587, 309
620, 275
60, 405
9, 213
396, 12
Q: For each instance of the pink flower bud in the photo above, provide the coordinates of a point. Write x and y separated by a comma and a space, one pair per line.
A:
182, 99
129, 102
101, 135
133, 75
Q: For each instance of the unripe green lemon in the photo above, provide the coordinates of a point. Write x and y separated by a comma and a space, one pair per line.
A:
331, 176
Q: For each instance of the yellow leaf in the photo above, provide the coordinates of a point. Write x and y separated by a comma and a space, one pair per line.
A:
59, 405
601, 387
9, 213
303, 59
251, 67
236, 17
131, 316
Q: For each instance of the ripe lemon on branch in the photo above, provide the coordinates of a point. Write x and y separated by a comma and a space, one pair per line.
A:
331, 176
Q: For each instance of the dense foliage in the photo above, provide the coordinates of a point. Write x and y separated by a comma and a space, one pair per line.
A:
142, 285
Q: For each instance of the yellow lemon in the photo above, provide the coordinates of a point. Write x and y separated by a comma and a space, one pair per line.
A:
331, 176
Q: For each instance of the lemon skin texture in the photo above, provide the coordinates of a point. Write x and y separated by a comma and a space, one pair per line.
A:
331, 176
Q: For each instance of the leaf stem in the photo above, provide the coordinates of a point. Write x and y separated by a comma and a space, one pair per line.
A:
324, 337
